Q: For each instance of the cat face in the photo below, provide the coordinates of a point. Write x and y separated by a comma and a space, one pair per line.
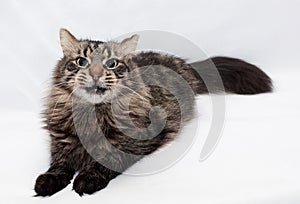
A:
92, 69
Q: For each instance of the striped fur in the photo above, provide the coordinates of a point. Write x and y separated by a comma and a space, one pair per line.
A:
85, 76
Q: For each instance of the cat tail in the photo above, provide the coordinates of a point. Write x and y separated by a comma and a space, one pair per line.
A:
238, 77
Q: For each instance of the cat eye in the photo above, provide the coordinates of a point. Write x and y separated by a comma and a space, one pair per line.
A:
111, 63
82, 62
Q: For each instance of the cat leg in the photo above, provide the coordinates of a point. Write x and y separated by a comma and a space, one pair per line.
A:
58, 176
92, 178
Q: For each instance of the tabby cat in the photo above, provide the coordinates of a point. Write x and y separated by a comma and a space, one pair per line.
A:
105, 110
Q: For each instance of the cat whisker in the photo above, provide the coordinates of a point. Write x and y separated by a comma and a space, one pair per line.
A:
55, 107
137, 74
134, 82
133, 91
59, 100
66, 82
111, 80
82, 76
72, 93
120, 93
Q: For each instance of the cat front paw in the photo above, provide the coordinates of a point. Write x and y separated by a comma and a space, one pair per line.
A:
49, 183
88, 183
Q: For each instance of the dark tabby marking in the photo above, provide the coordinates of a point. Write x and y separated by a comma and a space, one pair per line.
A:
93, 73
238, 76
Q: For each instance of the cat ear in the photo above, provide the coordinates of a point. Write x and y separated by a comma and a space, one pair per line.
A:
129, 45
68, 42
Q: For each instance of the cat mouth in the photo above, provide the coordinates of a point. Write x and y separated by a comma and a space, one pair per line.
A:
95, 90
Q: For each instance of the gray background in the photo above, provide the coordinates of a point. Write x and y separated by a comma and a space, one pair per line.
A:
263, 32
257, 160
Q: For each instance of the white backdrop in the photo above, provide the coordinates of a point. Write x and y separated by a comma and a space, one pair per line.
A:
256, 161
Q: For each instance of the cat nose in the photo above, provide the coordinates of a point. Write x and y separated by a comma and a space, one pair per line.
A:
95, 77
95, 72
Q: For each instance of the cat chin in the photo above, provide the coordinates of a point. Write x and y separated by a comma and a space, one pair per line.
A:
93, 98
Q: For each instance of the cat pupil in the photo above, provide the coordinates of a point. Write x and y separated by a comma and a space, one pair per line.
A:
111, 63
82, 62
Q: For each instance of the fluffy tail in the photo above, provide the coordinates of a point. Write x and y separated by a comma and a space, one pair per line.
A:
237, 75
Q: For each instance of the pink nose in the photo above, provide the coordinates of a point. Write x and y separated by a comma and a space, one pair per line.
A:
95, 72
95, 77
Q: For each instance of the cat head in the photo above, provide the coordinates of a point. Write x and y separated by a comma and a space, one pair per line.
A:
92, 69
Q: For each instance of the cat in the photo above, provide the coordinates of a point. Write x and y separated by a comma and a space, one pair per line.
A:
93, 133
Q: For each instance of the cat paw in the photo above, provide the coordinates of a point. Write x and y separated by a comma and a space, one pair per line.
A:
88, 184
49, 183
